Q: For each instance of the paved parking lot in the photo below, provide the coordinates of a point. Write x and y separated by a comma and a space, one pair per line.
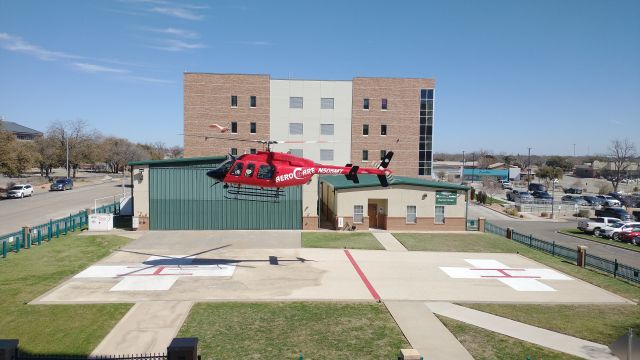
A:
217, 266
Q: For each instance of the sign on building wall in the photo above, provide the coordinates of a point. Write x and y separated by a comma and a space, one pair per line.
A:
446, 197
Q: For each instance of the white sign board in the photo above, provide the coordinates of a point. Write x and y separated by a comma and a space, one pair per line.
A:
340, 222
100, 222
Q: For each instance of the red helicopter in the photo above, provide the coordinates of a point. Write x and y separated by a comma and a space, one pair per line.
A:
266, 173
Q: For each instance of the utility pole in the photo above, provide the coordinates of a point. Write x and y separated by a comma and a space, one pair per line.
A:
462, 175
68, 174
529, 168
473, 168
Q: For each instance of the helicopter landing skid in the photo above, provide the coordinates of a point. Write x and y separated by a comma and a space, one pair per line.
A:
253, 194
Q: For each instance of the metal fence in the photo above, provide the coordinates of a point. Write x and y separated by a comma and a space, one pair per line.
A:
472, 224
22, 356
22, 239
611, 267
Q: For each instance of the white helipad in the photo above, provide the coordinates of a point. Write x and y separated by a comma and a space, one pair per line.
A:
155, 273
517, 279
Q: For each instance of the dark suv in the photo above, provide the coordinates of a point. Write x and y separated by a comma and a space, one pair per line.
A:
537, 187
615, 212
62, 185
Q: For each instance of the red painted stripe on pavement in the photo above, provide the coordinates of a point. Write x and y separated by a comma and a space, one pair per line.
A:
366, 282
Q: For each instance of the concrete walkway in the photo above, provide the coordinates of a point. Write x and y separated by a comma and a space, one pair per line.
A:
425, 332
147, 328
389, 242
549, 339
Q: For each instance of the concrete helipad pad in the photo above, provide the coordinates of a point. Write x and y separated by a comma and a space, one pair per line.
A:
210, 269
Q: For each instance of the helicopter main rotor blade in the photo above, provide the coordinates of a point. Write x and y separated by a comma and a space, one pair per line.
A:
222, 137
302, 141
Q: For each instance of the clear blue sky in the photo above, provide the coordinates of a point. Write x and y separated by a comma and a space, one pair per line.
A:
510, 74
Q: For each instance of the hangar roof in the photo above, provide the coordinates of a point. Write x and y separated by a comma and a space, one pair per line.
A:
340, 182
181, 162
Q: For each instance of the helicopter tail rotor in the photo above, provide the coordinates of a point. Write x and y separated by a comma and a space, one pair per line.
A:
353, 174
384, 179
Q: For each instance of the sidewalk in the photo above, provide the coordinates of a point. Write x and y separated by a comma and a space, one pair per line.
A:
147, 328
425, 332
549, 339
389, 242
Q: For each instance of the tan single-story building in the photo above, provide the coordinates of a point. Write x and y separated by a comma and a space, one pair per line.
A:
407, 204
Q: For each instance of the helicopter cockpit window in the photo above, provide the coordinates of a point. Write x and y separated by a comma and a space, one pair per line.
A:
237, 169
249, 171
265, 172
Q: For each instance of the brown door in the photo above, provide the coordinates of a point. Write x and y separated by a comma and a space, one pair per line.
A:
373, 216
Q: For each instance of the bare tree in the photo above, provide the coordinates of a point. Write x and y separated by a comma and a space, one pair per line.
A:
491, 186
621, 153
119, 152
80, 139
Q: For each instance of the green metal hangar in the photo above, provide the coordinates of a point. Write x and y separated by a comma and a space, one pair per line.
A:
178, 195
407, 204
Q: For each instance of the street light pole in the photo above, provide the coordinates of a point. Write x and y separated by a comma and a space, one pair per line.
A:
68, 175
553, 196
529, 168
462, 175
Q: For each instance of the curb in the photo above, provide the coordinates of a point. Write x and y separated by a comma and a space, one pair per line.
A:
598, 242
499, 212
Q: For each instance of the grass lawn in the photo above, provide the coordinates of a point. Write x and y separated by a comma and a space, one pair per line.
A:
598, 323
580, 234
285, 330
468, 242
485, 344
335, 240
55, 329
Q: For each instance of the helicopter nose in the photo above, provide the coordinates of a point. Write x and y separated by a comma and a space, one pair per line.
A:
216, 174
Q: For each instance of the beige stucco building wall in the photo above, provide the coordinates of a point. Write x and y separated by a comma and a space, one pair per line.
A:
392, 204
141, 195
311, 115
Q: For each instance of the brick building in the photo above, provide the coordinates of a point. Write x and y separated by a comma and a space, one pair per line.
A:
364, 118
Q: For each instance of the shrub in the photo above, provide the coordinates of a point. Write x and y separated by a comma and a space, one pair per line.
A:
511, 211
583, 213
604, 188
544, 214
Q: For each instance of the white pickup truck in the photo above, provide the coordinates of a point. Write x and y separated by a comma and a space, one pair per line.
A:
596, 224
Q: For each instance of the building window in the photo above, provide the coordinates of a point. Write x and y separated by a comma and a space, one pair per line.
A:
234, 127
439, 218
365, 155
326, 103
296, 152
365, 104
326, 129
365, 129
384, 104
233, 151
326, 154
383, 130
383, 153
295, 102
296, 128
358, 214
253, 128
411, 214
234, 101
252, 151
425, 140
253, 101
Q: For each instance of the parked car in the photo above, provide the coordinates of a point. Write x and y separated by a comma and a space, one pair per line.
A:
596, 224
574, 200
615, 212
572, 190
510, 195
609, 200
632, 236
522, 196
593, 201
537, 187
62, 185
20, 191
506, 185
542, 196
612, 232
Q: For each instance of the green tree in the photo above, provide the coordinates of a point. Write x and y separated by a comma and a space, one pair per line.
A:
560, 162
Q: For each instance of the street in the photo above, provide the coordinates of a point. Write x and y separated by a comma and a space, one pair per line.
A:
547, 230
45, 205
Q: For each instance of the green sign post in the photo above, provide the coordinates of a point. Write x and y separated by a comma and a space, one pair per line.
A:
446, 197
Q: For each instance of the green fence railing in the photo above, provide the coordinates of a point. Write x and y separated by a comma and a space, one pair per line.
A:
611, 267
21, 239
